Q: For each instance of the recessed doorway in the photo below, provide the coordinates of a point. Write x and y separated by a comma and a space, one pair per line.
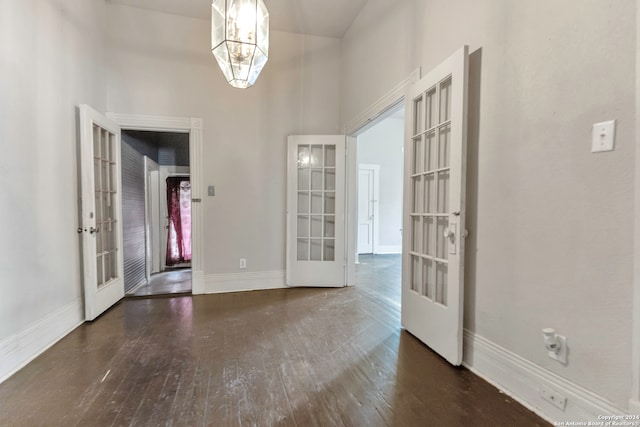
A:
379, 153
156, 203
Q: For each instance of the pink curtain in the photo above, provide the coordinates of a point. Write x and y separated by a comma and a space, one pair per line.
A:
179, 205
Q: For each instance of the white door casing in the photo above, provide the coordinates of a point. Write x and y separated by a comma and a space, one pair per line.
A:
434, 207
101, 212
193, 126
316, 246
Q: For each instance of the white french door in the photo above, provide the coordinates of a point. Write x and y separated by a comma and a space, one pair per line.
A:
434, 207
367, 200
316, 210
101, 225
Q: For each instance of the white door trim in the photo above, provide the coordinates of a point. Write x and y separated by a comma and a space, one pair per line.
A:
372, 115
192, 126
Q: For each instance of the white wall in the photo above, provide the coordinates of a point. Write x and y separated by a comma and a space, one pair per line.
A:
161, 64
382, 145
551, 242
51, 60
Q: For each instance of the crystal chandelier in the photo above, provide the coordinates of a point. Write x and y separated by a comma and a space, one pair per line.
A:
240, 39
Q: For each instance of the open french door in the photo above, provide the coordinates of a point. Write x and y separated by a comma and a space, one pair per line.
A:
316, 245
434, 207
101, 227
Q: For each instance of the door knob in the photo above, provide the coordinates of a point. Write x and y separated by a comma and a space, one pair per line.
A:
448, 233
94, 230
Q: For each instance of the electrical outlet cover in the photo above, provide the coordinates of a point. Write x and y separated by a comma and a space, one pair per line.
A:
553, 397
604, 136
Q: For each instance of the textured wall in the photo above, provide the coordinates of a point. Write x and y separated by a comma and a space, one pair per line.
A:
162, 64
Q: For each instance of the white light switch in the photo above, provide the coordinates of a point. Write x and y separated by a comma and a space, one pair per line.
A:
211, 190
604, 135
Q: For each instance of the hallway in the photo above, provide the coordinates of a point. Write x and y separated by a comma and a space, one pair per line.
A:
166, 283
286, 357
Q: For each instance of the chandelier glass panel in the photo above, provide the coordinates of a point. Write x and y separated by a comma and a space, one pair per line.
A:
240, 39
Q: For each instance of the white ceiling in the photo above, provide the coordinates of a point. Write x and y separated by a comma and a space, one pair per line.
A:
329, 18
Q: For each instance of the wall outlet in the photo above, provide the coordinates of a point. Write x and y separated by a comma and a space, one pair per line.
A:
243, 263
211, 190
553, 397
560, 356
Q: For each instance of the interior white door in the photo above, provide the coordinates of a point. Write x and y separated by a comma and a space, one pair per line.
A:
101, 225
316, 211
365, 209
434, 207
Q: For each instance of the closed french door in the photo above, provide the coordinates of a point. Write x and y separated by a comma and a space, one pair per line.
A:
101, 225
434, 207
315, 211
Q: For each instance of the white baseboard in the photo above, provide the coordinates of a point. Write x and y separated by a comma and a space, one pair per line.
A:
18, 350
522, 380
385, 250
237, 282
197, 282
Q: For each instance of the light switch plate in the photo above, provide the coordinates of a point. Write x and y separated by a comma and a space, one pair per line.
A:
211, 190
604, 136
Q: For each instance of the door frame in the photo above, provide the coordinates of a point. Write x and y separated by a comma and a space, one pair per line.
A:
376, 207
371, 116
192, 126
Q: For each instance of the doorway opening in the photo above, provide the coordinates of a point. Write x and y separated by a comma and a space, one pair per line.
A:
156, 202
379, 186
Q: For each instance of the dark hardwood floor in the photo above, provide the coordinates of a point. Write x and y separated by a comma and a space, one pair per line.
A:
290, 357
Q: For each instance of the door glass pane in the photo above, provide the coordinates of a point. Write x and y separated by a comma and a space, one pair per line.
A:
96, 141
428, 232
316, 249
430, 149
316, 179
330, 179
329, 250
443, 147
428, 278
303, 202
429, 188
441, 241
99, 269
417, 196
431, 110
441, 283
316, 156
104, 144
329, 226
418, 118
303, 156
443, 192
330, 155
303, 179
417, 156
303, 249
445, 100
316, 202
416, 243
316, 226
330, 202
303, 226
415, 273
